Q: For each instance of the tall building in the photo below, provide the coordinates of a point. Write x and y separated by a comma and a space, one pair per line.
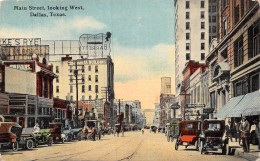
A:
95, 81
166, 85
195, 26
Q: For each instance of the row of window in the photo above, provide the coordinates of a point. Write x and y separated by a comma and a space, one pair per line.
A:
202, 36
82, 89
202, 4
83, 97
82, 69
202, 25
202, 46
202, 56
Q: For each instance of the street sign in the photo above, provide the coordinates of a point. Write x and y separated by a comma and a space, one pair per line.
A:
194, 106
175, 106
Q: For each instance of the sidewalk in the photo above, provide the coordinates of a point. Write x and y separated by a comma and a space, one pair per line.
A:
253, 155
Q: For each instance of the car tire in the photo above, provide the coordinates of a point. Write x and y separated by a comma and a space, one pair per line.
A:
50, 141
29, 144
15, 146
177, 144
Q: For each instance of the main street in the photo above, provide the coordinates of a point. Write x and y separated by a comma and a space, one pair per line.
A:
133, 146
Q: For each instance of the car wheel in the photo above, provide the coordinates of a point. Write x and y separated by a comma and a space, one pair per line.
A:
201, 148
29, 144
50, 141
177, 144
15, 146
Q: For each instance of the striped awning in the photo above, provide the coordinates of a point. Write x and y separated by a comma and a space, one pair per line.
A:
245, 105
228, 107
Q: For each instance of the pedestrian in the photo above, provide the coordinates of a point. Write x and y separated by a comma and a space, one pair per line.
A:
142, 130
228, 131
245, 133
257, 131
237, 132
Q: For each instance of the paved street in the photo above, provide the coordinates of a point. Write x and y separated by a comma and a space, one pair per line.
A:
133, 146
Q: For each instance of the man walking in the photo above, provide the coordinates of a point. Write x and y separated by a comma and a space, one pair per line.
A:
245, 133
257, 131
228, 131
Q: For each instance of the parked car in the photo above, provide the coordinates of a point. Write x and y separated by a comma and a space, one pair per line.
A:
44, 137
174, 131
72, 134
92, 130
10, 133
56, 133
189, 134
27, 139
211, 137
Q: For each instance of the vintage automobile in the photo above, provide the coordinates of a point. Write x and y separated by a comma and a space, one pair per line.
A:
189, 134
211, 137
72, 134
44, 137
56, 134
118, 129
27, 139
92, 130
10, 133
174, 131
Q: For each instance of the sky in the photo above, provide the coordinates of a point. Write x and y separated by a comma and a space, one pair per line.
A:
142, 41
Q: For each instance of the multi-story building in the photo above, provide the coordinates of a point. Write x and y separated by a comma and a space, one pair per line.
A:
196, 24
95, 79
166, 85
234, 62
156, 119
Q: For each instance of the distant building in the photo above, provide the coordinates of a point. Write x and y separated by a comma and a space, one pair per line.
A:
166, 85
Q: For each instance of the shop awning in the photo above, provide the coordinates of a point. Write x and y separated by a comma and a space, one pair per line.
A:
245, 105
228, 107
251, 104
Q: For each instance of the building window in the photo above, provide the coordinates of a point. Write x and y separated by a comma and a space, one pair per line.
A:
187, 56
57, 69
83, 98
202, 4
83, 89
96, 88
212, 100
187, 25
71, 80
224, 28
187, 15
209, 18
57, 80
96, 68
209, 9
70, 69
187, 36
89, 78
83, 79
202, 35
214, 19
89, 68
202, 25
202, 56
214, 9
71, 88
96, 78
240, 88
209, 29
202, 47
214, 29
187, 46
254, 40
223, 97
255, 82
57, 89
71, 98
238, 52
198, 93
202, 14
224, 4
89, 88
187, 4
89, 97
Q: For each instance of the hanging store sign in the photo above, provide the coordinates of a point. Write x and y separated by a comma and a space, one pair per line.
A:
96, 46
20, 41
194, 106
175, 106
